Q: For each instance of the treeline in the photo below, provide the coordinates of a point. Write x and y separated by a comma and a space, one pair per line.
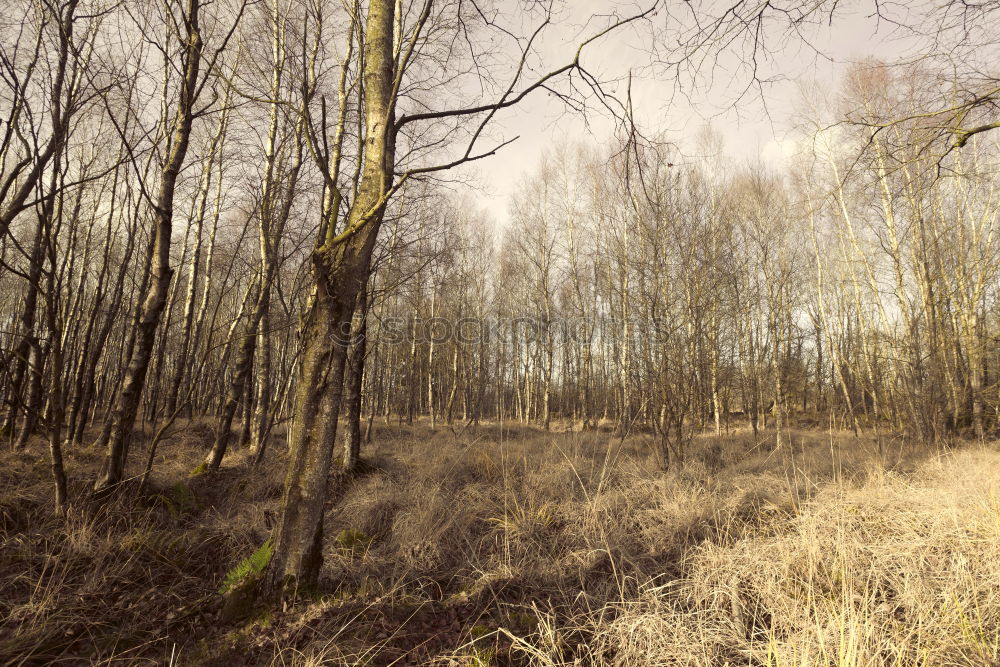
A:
232, 210
858, 290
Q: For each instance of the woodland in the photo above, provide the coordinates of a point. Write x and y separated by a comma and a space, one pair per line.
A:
276, 387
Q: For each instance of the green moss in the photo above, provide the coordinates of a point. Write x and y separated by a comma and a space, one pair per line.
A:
239, 601
200, 470
352, 540
483, 646
482, 657
259, 621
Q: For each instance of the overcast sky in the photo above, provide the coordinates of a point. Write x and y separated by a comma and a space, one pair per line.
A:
760, 127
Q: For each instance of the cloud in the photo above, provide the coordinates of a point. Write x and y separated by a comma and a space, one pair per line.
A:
777, 151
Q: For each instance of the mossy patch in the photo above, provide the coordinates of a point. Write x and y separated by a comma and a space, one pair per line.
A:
354, 541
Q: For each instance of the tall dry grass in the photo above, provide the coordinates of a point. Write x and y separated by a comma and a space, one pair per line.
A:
507, 545
121, 582
896, 570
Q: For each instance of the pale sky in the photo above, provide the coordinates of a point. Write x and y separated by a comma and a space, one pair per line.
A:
750, 133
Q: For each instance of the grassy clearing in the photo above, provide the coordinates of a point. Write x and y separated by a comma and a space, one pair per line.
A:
512, 546
897, 570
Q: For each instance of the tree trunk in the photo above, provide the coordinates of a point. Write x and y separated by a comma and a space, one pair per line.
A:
236, 392
341, 265
28, 356
126, 408
355, 379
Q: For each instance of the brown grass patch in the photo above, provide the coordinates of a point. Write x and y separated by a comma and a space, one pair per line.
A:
510, 545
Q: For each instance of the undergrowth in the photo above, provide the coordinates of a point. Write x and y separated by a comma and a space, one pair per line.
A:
519, 547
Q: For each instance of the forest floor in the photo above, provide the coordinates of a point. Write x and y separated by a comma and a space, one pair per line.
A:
498, 546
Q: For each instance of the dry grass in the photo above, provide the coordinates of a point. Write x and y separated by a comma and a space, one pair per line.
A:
899, 570
114, 583
507, 545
